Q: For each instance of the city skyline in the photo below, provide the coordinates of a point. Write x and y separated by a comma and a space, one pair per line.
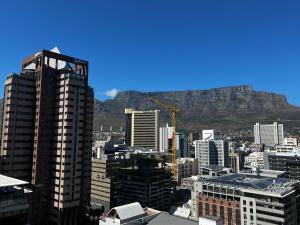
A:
132, 45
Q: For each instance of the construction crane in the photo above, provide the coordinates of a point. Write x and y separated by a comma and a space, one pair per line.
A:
174, 110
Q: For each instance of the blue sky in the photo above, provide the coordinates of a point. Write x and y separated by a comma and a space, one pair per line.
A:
163, 45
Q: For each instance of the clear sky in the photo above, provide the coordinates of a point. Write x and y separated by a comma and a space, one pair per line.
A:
151, 45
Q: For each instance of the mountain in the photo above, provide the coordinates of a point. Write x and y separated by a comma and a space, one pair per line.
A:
219, 108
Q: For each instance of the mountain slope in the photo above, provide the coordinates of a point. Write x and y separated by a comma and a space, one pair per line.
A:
228, 107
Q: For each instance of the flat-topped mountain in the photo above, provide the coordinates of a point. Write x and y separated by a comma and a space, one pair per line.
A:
228, 107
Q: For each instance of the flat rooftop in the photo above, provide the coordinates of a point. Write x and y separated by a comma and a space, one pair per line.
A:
6, 181
261, 183
167, 219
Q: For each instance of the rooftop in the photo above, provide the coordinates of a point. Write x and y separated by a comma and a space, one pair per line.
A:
6, 181
167, 219
280, 186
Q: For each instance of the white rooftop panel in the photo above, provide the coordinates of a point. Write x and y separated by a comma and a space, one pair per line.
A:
9, 181
129, 211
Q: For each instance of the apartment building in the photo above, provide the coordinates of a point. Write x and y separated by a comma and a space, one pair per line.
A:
142, 128
47, 134
268, 134
247, 200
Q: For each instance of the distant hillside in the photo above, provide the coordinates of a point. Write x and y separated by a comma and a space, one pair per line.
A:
218, 108
228, 107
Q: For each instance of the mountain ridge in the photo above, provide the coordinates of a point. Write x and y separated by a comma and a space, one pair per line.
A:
232, 107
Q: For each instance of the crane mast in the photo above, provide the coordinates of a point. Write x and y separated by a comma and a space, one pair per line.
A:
174, 110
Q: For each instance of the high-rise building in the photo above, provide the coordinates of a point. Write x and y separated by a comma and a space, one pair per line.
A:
268, 134
212, 153
165, 138
142, 128
47, 134
166, 142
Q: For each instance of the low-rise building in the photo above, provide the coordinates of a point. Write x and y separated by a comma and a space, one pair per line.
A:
285, 148
291, 142
284, 161
186, 167
247, 199
255, 159
133, 214
14, 201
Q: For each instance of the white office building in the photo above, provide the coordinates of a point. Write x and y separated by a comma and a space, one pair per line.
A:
290, 142
269, 134
166, 142
212, 153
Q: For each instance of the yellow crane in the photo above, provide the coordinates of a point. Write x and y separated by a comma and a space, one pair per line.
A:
174, 110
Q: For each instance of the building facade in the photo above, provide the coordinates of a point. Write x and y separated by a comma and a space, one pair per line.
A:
149, 185
105, 183
142, 128
212, 153
47, 133
14, 201
268, 134
284, 161
247, 200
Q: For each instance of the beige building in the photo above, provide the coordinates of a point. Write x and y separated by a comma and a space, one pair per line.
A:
186, 167
18, 125
105, 185
47, 134
142, 128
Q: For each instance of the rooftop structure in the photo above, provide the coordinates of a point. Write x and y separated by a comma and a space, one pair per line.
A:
275, 186
133, 213
6, 181
14, 200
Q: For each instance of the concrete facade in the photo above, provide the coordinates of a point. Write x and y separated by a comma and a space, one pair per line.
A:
47, 133
247, 199
144, 128
212, 153
268, 134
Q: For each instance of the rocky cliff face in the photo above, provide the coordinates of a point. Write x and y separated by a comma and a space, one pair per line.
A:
231, 107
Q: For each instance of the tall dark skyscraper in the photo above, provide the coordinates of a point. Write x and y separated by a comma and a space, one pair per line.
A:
47, 134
